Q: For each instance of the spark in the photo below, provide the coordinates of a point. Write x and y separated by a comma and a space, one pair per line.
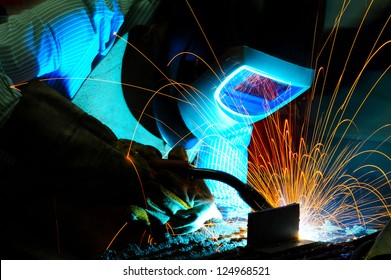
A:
116, 235
205, 37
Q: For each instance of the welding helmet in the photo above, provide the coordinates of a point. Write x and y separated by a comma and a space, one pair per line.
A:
251, 86
252, 79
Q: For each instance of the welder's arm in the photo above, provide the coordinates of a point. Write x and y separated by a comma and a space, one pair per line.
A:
49, 133
64, 39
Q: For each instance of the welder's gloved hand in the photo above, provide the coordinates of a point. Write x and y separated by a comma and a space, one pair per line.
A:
172, 200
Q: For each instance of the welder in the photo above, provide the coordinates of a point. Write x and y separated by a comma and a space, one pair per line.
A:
69, 185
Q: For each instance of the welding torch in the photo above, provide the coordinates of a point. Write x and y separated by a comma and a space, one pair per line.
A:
248, 193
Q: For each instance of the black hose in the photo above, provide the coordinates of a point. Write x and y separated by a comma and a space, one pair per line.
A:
248, 193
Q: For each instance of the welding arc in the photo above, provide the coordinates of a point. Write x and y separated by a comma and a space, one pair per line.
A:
248, 193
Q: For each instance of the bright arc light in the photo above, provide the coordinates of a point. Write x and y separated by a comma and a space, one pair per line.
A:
329, 232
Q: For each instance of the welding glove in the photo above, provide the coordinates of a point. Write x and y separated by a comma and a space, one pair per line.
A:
174, 202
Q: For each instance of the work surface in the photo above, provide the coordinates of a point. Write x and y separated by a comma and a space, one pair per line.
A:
228, 241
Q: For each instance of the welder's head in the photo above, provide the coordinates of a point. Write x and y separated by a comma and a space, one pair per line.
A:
259, 73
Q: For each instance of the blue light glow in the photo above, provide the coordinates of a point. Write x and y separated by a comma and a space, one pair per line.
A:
255, 85
247, 91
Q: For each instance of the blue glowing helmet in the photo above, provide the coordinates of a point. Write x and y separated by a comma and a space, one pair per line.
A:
253, 85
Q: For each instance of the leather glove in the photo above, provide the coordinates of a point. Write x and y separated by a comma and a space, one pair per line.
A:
173, 202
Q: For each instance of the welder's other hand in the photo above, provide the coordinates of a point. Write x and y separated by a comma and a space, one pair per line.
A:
172, 200
183, 205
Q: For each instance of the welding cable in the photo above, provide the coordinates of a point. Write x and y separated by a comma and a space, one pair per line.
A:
248, 193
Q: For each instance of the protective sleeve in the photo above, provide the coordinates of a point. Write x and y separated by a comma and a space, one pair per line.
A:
60, 40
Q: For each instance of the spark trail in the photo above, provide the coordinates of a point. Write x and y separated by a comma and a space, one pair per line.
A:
342, 192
